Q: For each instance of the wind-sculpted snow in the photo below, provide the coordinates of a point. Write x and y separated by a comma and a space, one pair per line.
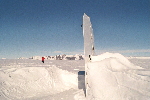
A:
27, 82
113, 77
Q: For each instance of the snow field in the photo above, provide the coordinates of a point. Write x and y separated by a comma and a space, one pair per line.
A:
28, 82
113, 77
110, 77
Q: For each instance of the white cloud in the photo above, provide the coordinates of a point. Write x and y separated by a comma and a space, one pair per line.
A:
74, 52
125, 51
57, 52
135, 51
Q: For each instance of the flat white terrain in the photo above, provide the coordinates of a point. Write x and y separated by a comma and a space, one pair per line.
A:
26, 79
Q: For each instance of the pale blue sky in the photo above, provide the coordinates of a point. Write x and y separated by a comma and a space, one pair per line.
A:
50, 27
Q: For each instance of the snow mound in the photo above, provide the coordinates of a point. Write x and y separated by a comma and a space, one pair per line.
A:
115, 61
113, 77
30, 82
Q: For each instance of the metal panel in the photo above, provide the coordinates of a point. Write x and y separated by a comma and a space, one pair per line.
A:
89, 49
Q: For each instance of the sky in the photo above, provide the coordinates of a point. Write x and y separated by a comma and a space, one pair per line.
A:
51, 27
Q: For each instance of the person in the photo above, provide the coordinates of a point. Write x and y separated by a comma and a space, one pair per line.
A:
43, 59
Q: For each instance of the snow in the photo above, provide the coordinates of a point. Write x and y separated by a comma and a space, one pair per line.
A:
139, 57
21, 79
21, 83
111, 77
115, 59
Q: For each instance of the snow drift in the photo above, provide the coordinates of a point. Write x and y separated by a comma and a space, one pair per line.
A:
110, 77
113, 77
31, 82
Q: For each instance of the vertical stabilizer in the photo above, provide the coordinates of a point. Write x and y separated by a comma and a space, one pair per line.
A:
88, 35
89, 49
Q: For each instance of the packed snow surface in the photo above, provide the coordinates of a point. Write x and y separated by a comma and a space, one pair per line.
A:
111, 76
33, 80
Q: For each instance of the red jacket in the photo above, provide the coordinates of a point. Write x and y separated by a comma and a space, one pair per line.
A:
43, 58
